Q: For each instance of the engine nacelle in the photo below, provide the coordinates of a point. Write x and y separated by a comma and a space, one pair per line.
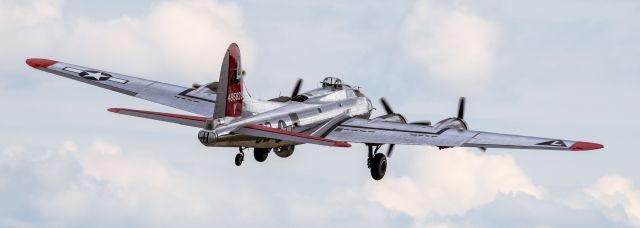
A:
393, 117
284, 151
452, 123
207, 137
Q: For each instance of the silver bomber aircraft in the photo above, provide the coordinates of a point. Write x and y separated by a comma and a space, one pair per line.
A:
335, 114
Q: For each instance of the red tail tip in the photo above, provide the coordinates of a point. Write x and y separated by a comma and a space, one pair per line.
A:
579, 146
44, 63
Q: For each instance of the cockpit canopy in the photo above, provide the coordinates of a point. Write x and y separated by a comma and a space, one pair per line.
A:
332, 82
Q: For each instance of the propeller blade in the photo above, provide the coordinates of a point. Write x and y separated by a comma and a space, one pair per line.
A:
390, 150
296, 89
386, 106
425, 123
461, 108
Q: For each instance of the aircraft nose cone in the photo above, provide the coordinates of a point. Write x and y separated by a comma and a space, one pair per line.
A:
580, 146
44, 63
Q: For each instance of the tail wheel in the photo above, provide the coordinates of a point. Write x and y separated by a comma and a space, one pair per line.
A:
239, 159
261, 154
378, 166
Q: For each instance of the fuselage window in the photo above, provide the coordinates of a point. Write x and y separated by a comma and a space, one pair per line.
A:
319, 110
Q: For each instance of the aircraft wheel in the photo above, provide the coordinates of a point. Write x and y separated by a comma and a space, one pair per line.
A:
378, 166
261, 154
239, 159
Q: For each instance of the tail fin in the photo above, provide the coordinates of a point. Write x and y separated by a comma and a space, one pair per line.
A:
229, 99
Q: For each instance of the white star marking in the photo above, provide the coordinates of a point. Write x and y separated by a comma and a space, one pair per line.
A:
96, 75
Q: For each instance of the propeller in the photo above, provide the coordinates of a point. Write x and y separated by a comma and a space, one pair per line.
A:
386, 106
296, 89
461, 105
461, 108
389, 110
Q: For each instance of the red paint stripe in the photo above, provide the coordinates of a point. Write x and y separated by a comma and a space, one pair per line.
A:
580, 146
296, 134
44, 63
186, 117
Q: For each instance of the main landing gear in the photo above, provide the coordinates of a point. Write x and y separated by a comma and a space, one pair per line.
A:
261, 154
376, 162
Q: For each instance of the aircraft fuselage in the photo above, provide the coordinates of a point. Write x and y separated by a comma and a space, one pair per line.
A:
320, 105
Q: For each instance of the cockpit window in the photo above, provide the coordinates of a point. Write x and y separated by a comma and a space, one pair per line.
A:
332, 82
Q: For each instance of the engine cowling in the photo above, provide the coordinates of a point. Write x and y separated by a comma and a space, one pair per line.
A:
455, 123
284, 151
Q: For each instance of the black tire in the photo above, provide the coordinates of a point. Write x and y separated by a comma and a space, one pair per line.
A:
284, 152
378, 166
261, 154
239, 159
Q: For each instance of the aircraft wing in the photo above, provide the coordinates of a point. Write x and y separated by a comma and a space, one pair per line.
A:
199, 101
383, 132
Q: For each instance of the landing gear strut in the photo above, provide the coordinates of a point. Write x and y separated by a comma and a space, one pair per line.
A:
240, 156
377, 162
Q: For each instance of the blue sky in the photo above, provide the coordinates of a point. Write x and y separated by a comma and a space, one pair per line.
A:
544, 68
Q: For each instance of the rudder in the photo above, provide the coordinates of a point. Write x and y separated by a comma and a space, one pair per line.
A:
229, 94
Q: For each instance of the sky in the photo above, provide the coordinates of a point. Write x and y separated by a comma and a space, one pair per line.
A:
542, 68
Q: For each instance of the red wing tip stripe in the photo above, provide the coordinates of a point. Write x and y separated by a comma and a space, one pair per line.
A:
196, 118
116, 110
291, 133
580, 146
342, 144
36, 63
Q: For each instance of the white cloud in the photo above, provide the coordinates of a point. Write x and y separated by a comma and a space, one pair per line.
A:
113, 185
451, 182
184, 38
454, 44
103, 185
28, 28
615, 196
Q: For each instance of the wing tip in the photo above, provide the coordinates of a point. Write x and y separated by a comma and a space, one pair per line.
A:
114, 110
582, 146
342, 144
37, 63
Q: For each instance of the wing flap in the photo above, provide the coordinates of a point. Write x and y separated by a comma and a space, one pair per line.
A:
274, 133
193, 121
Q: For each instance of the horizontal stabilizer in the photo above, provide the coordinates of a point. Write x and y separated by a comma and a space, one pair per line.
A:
292, 136
193, 121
